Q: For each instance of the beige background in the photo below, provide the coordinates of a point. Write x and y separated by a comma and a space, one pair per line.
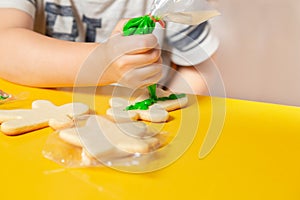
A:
259, 54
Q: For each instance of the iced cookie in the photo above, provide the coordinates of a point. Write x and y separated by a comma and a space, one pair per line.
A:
42, 114
158, 112
101, 136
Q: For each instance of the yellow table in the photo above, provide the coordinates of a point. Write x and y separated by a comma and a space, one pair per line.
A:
257, 157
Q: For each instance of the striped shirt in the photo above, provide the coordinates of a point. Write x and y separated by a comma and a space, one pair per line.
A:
94, 20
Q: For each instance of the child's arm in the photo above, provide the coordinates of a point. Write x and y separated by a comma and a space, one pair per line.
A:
33, 59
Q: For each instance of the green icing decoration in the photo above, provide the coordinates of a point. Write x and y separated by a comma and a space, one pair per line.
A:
144, 105
3, 97
152, 91
138, 26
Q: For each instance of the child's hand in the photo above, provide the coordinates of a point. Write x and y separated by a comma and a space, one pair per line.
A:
134, 61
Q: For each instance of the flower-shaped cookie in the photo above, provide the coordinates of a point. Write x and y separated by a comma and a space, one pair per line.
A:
158, 112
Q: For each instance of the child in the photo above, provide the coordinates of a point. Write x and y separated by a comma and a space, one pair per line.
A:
44, 43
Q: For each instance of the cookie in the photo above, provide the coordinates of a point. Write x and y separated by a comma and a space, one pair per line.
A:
158, 112
42, 114
155, 113
101, 136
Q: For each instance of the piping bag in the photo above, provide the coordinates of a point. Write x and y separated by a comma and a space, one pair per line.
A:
189, 12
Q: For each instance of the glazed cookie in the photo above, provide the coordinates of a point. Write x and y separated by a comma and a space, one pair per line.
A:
42, 114
101, 136
158, 112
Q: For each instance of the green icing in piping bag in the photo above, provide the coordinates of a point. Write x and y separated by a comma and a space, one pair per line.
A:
139, 26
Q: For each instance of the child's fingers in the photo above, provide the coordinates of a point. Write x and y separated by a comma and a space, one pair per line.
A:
128, 62
141, 77
120, 45
143, 43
